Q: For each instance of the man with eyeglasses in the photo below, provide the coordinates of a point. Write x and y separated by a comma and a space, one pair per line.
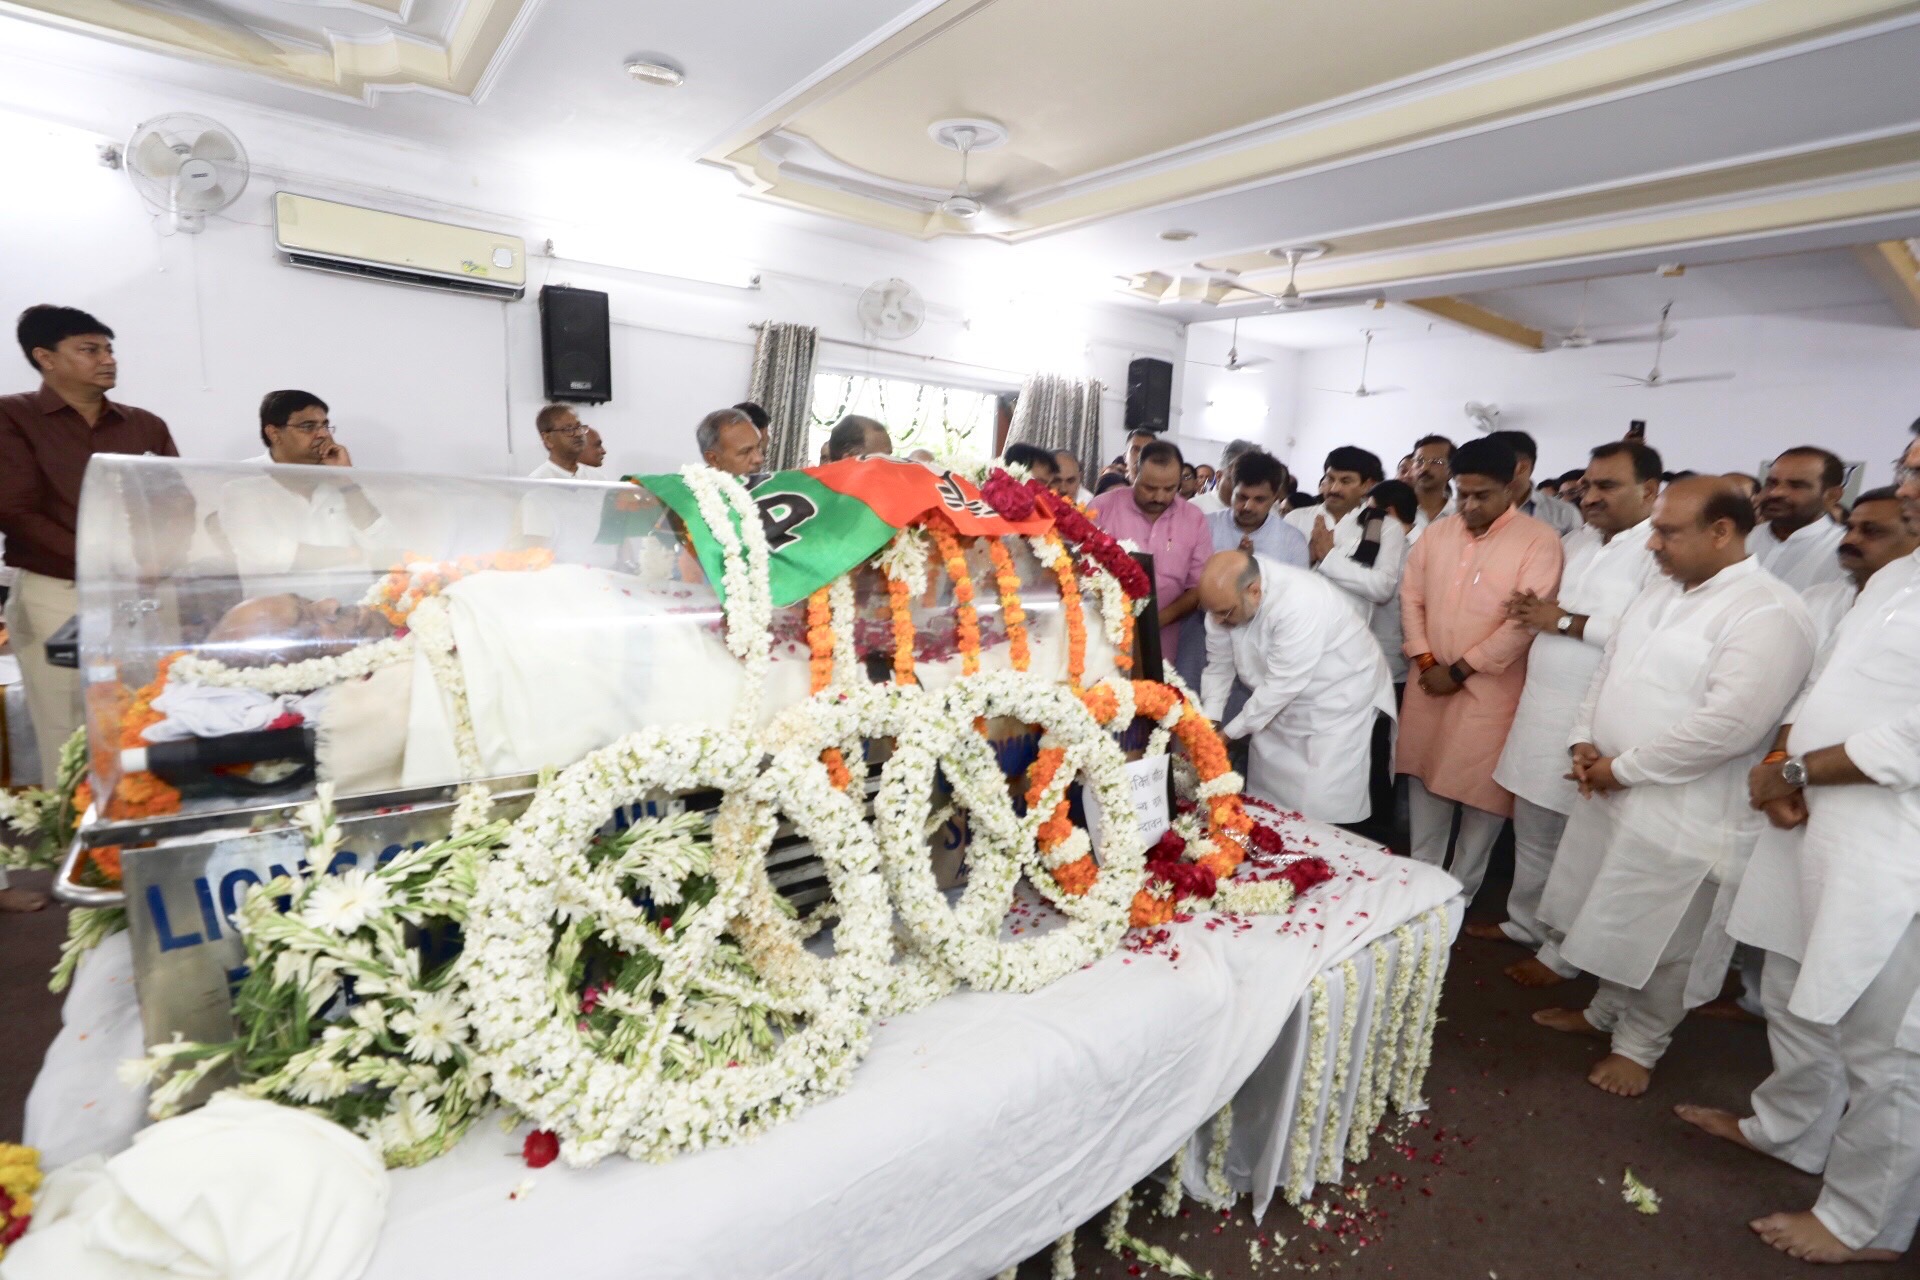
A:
285, 521
565, 438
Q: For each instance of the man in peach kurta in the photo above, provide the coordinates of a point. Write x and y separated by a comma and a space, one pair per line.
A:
1470, 658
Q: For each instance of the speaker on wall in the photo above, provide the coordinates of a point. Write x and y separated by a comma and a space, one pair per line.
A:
575, 352
1149, 394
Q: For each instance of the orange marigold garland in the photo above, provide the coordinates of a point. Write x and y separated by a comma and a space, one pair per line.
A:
1007, 581
1071, 612
396, 594
1227, 820
966, 617
820, 642
900, 608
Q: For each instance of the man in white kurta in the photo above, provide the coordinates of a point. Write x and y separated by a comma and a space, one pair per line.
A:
1702, 664
1607, 565
1876, 535
1833, 894
1343, 524
1797, 542
1316, 677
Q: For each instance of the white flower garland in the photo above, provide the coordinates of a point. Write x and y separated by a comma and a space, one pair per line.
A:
935, 734
1365, 1119
1405, 962
1217, 1154
1419, 1049
1342, 1063
1176, 1182
745, 576
293, 677
905, 560
432, 625
1306, 1113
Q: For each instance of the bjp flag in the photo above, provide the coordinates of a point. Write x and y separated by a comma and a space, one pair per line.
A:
823, 521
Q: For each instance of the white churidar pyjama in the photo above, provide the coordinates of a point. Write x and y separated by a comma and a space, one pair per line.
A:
1431, 822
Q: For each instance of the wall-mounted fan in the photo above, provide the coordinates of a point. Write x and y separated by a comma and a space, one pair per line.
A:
187, 167
1484, 417
892, 309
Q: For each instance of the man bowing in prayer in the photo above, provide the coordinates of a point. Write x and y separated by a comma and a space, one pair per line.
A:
1607, 565
1839, 913
1470, 655
1696, 676
1317, 678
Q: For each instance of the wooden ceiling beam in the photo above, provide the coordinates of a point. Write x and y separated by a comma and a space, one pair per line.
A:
1472, 316
1894, 268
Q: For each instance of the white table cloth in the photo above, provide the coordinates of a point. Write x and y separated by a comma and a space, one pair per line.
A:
977, 1130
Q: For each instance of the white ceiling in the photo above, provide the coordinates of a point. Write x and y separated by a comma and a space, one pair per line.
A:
1814, 281
560, 114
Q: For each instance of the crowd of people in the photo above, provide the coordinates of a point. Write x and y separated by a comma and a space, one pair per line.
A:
1695, 697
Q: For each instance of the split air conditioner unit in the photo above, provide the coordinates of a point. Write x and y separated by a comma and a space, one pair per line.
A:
342, 238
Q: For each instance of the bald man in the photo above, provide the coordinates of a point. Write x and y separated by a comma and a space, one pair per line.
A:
1689, 690
1317, 677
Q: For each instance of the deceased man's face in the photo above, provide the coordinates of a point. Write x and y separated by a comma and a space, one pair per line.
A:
290, 628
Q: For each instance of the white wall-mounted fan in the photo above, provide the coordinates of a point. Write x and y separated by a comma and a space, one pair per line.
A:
892, 309
186, 166
1484, 417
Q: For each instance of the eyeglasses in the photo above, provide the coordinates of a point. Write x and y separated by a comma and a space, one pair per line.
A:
578, 429
310, 428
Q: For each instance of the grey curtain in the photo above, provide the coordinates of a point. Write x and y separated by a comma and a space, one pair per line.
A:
782, 384
1056, 413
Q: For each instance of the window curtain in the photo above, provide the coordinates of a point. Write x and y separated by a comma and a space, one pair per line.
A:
1057, 412
783, 360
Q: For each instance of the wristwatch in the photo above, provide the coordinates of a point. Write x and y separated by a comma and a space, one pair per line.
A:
1793, 771
1459, 676
1565, 624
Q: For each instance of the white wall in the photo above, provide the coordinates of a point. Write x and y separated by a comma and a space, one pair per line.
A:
1256, 403
423, 380
1847, 379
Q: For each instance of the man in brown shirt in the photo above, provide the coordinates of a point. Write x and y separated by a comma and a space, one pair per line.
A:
46, 438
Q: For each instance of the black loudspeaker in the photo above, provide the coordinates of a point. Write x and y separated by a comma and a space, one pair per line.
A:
574, 347
1149, 394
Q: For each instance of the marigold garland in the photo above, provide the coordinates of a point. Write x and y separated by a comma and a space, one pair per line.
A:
900, 609
1070, 611
417, 577
1007, 581
966, 617
820, 646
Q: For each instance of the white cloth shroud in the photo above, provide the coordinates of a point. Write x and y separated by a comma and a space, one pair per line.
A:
211, 711
1317, 679
1842, 900
1687, 696
240, 1190
1600, 580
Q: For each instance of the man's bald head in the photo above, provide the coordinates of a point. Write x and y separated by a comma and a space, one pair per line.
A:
1230, 588
270, 630
1700, 526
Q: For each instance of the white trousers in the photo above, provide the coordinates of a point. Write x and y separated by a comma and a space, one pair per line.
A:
1536, 835
1642, 1021
1431, 822
1845, 1100
38, 607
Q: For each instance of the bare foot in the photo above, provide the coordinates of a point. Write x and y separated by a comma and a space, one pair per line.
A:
1803, 1236
1487, 933
1573, 1020
1531, 973
1714, 1120
1622, 1077
21, 900
1726, 1011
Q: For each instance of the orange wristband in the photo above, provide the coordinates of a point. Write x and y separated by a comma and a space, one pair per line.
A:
1425, 661
1773, 757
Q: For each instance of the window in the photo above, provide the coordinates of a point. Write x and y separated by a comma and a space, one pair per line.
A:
953, 422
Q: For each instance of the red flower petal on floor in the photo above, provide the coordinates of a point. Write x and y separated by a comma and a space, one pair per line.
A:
540, 1149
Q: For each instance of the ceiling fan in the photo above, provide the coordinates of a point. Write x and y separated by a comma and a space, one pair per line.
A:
1291, 299
1577, 338
1654, 379
1234, 363
1362, 391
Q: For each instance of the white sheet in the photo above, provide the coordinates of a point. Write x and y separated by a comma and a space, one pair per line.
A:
977, 1130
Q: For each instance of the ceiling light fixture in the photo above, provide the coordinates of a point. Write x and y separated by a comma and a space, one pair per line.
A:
966, 137
663, 74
